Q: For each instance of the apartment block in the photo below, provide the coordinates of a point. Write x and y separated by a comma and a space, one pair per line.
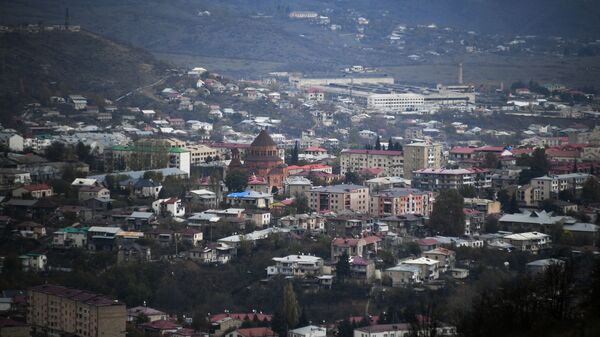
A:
401, 201
443, 179
418, 156
57, 311
354, 160
337, 198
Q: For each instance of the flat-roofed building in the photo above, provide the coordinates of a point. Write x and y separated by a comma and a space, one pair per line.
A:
355, 160
56, 310
418, 156
401, 201
444, 179
339, 197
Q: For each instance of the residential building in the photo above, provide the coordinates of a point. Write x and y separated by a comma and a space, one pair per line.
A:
70, 237
257, 217
550, 186
190, 236
200, 154
308, 331
153, 315
444, 179
93, 192
419, 156
102, 238
363, 247
401, 330
131, 252
429, 268
295, 185
355, 160
33, 191
446, 257
249, 199
304, 223
252, 332
33, 262
404, 274
147, 155
170, 206
298, 266
361, 269
540, 221
540, 266
584, 234
337, 198
56, 310
147, 188
12, 141
531, 242
401, 201
485, 206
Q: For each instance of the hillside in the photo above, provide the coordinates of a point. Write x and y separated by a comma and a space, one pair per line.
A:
48, 63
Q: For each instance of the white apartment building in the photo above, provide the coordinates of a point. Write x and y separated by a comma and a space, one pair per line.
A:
400, 102
529, 242
354, 160
296, 266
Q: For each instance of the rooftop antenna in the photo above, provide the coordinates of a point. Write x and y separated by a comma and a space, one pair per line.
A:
67, 18
460, 73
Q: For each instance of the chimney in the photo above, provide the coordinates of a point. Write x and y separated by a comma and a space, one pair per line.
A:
460, 73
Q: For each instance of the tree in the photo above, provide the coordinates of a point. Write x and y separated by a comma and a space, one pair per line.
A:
342, 268
294, 155
153, 175
467, 191
141, 319
491, 225
236, 181
490, 161
55, 152
378, 143
590, 191
353, 178
447, 217
301, 203
291, 309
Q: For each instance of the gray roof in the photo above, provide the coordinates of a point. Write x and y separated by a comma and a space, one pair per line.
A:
581, 227
337, 188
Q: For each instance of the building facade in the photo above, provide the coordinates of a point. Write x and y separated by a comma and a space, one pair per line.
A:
337, 198
355, 160
418, 156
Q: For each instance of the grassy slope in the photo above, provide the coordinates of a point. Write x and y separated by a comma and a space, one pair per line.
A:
73, 62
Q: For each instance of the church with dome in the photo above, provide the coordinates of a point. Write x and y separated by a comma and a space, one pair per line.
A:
262, 160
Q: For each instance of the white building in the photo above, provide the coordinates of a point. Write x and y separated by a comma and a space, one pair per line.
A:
296, 266
33, 262
171, 206
12, 141
308, 331
429, 268
398, 102
529, 242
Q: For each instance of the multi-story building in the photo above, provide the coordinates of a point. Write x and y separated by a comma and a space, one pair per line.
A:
363, 247
146, 155
200, 154
446, 257
398, 102
418, 156
300, 266
401, 330
56, 311
485, 206
354, 160
549, 186
528, 242
442, 179
401, 201
339, 197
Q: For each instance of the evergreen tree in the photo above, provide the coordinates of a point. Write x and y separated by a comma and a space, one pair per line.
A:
378, 143
448, 217
342, 268
294, 156
390, 144
291, 309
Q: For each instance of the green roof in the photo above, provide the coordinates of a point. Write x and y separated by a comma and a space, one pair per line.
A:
148, 149
82, 230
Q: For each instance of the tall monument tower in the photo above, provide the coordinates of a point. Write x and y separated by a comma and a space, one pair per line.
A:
460, 73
